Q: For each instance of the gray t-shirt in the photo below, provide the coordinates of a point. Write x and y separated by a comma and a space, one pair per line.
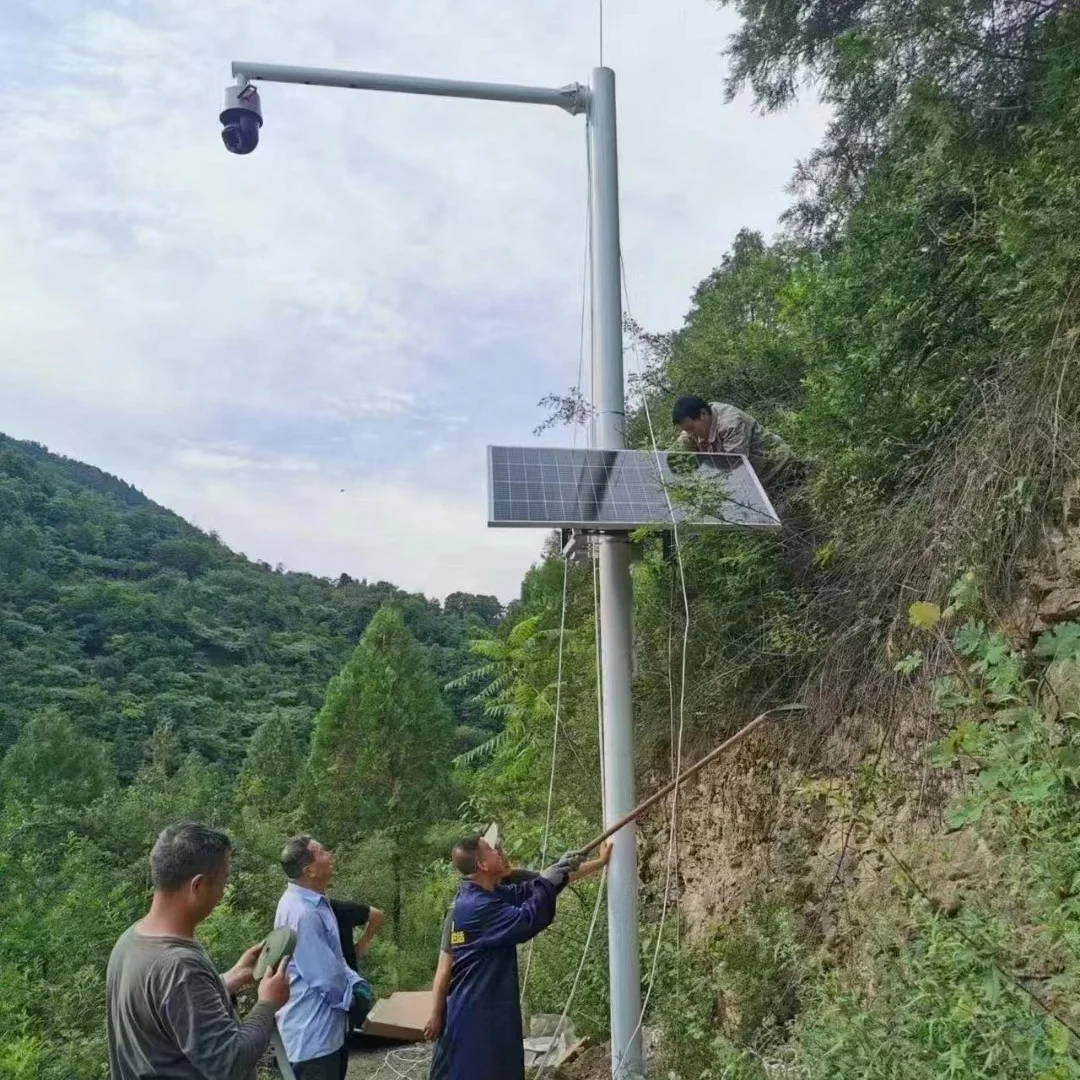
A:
169, 1017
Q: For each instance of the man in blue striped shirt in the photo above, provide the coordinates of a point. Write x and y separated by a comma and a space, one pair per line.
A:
321, 985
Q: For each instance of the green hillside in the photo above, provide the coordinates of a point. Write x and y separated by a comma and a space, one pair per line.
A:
129, 619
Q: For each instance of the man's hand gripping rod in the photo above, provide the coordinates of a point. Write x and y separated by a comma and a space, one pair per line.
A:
668, 788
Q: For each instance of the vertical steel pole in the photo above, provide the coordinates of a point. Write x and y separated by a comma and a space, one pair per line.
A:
616, 595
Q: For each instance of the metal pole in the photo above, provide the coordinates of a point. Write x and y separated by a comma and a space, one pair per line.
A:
616, 594
572, 98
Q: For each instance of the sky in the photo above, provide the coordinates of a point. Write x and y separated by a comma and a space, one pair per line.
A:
308, 349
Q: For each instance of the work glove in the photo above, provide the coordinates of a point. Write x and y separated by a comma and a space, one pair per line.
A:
559, 873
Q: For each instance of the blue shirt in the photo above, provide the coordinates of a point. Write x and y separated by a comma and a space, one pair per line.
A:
313, 1022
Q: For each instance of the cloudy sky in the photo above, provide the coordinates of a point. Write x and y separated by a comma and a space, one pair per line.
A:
309, 348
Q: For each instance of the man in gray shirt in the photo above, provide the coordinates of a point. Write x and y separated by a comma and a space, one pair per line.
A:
169, 1013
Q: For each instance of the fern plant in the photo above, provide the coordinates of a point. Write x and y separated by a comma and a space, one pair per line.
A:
515, 687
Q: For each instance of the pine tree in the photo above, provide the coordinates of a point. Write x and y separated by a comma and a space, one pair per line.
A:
380, 755
272, 768
52, 763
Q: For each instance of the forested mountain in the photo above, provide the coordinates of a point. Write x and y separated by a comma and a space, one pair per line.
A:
886, 886
129, 619
148, 673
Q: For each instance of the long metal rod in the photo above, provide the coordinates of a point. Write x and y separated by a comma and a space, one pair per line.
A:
283, 1063
616, 591
574, 98
685, 775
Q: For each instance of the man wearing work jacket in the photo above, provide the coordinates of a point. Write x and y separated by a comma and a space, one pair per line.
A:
440, 986
713, 427
482, 1035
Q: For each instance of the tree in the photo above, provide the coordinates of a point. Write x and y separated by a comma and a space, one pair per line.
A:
52, 763
487, 609
192, 555
268, 778
516, 686
866, 58
736, 344
380, 749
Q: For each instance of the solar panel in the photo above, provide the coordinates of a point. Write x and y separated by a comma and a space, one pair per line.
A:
544, 487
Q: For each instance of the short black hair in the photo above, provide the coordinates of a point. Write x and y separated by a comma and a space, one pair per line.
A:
296, 856
184, 851
466, 854
689, 407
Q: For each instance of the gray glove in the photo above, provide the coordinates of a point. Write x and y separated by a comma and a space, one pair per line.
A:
559, 873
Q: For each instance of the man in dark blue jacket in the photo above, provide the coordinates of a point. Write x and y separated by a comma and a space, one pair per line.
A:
440, 986
482, 1036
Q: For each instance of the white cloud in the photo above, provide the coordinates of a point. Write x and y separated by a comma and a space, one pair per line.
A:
234, 460
383, 270
380, 528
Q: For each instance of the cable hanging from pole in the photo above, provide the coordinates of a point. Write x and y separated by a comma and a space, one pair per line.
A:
566, 575
596, 633
677, 777
601, 31
603, 879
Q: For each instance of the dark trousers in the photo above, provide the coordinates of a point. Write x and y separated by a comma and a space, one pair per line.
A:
331, 1067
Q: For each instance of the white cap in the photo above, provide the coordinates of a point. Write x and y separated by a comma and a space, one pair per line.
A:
491, 837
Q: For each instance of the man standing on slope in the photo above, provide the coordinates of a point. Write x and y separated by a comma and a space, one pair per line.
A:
482, 1037
313, 1024
168, 1012
441, 984
716, 428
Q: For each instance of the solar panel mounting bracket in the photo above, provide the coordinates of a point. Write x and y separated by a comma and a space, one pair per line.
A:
576, 545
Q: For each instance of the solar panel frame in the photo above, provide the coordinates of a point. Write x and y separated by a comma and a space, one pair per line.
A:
529, 485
